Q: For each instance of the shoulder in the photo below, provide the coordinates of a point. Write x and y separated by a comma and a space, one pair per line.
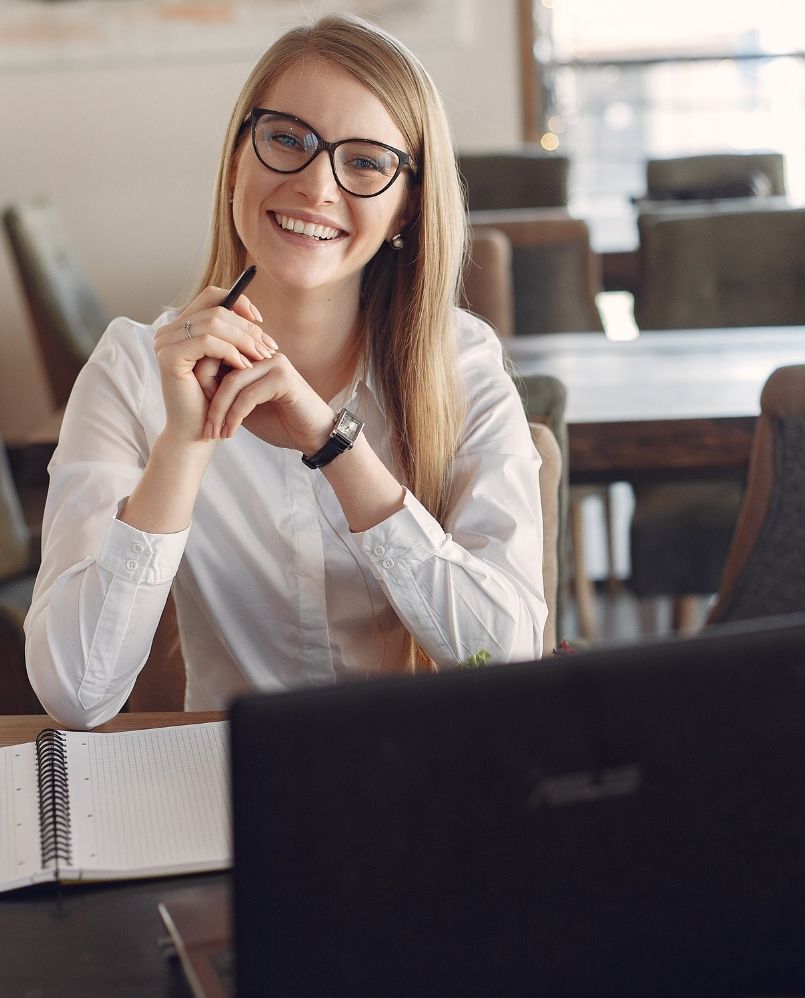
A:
122, 373
125, 352
125, 337
494, 414
480, 358
477, 342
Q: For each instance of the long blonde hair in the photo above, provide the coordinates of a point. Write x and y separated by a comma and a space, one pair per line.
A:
407, 295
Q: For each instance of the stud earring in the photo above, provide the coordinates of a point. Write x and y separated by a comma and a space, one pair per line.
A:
397, 241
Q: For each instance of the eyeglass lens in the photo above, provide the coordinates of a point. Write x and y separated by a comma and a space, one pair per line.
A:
362, 168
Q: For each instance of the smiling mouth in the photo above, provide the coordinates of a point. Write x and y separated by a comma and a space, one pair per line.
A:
322, 233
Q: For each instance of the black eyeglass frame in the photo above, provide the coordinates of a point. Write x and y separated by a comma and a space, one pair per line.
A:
404, 159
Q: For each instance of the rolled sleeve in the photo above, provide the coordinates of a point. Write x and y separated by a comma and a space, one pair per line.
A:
140, 558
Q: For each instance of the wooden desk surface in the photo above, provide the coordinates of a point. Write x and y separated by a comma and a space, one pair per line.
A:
680, 401
18, 728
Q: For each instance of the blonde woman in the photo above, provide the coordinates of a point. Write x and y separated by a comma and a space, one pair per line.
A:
334, 475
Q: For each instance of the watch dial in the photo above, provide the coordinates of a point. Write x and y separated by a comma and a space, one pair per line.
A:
349, 424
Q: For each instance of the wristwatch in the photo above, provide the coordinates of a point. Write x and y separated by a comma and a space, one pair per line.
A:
345, 432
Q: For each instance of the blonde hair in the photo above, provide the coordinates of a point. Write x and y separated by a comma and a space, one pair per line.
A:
408, 295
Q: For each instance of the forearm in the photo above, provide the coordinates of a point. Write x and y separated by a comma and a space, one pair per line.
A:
90, 630
163, 500
366, 490
459, 598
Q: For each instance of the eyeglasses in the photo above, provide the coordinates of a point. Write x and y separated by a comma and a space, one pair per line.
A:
286, 144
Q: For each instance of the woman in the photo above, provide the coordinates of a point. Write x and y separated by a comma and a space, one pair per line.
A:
416, 546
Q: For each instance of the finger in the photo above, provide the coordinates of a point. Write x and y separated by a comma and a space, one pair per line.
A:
239, 394
222, 324
243, 309
248, 337
245, 306
207, 374
182, 356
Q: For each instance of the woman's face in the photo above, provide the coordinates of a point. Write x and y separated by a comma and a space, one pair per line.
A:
264, 202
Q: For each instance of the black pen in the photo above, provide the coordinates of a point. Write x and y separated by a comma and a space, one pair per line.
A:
232, 296
239, 286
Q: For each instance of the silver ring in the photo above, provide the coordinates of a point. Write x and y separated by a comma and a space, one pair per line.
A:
187, 329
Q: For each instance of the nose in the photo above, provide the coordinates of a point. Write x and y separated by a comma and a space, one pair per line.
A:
317, 181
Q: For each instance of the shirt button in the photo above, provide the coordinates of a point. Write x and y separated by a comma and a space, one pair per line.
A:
388, 563
137, 548
379, 550
131, 564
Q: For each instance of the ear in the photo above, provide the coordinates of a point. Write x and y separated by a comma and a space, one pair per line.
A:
407, 212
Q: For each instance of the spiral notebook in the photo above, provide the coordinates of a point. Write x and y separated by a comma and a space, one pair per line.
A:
89, 806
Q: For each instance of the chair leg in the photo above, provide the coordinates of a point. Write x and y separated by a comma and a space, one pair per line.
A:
612, 581
582, 584
686, 616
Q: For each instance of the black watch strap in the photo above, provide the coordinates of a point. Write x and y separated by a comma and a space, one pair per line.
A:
345, 432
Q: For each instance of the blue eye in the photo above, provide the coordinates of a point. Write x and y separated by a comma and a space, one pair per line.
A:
284, 139
364, 163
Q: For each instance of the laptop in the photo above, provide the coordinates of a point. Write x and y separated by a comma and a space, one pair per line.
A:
627, 822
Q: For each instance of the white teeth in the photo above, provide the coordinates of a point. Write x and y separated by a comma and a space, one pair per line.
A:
322, 232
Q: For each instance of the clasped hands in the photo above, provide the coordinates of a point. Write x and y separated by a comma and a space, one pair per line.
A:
224, 372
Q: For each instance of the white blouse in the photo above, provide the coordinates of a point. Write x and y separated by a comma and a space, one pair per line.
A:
272, 590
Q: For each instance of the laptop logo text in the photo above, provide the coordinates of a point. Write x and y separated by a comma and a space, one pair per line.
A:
585, 786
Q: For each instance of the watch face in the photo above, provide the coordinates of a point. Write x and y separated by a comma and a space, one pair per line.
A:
348, 426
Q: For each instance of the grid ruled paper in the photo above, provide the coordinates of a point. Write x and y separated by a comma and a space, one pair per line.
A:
144, 802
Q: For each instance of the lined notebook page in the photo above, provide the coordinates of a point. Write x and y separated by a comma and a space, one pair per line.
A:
20, 853
149, 801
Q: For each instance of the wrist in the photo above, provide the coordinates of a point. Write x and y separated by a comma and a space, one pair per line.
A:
189, 457
345, 431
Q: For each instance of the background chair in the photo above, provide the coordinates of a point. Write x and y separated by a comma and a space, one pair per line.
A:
68, 318
543, 293
487, 287
715, 175
526, 177
713, 267
19, 561
544, 399
706, 268
764, 574
550, 487
555, 273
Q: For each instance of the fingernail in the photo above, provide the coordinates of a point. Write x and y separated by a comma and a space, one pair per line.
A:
255, 312
264, 351
269, 342
246, 361
209, 429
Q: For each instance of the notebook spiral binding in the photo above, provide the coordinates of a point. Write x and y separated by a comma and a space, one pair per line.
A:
54, 796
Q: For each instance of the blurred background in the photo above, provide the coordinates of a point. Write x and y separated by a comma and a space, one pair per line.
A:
579, 127
115, 110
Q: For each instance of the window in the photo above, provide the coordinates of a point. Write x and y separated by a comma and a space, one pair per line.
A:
621, 81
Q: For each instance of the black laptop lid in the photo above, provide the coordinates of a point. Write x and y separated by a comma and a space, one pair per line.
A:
623, 822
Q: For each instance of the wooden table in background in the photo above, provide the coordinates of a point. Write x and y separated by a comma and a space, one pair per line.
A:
18, 728
670, 403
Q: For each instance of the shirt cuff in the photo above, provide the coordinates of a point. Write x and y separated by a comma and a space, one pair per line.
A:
402, 541
148, 559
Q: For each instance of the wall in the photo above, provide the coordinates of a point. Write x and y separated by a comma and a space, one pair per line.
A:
123, 135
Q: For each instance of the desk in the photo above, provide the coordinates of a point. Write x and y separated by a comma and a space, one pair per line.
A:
680, 401
91, 941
